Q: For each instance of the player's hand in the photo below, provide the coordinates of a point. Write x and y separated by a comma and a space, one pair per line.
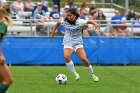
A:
96, 26
2, 59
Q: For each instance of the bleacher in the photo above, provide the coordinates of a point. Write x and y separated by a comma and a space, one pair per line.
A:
27, 28
22, 30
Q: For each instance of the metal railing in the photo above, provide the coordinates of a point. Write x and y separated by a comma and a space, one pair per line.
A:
29, 26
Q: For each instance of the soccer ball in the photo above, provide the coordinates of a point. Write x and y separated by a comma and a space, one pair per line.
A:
61, 79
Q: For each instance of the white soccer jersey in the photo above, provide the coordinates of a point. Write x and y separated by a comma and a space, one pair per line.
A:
73, 33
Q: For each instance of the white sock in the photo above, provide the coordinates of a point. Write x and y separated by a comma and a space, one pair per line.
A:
90, 70
71, 66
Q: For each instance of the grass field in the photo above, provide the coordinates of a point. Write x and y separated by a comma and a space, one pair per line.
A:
41, 79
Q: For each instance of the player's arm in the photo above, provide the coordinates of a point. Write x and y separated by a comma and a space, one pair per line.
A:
2, 58
54, 29
96, 26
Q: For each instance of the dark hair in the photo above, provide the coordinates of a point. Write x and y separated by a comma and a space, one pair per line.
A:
74, 12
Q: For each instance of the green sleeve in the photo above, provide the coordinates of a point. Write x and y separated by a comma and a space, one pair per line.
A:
3, 28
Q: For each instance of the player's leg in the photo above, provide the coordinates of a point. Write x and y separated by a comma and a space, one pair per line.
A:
82, 55
5, 77
67, 54
0, 79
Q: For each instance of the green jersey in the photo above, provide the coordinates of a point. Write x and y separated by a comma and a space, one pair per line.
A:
3, 30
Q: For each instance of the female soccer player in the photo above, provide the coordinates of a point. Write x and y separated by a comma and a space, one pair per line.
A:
72, 41
5, 74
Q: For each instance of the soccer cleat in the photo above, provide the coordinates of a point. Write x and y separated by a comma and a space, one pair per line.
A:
95, 78
76, 76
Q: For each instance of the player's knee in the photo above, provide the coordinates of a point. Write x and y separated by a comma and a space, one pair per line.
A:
9, 81
67, 57
2, 62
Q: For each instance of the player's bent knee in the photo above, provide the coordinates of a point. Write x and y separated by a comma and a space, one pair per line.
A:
67, 57
9, 81
2, 62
